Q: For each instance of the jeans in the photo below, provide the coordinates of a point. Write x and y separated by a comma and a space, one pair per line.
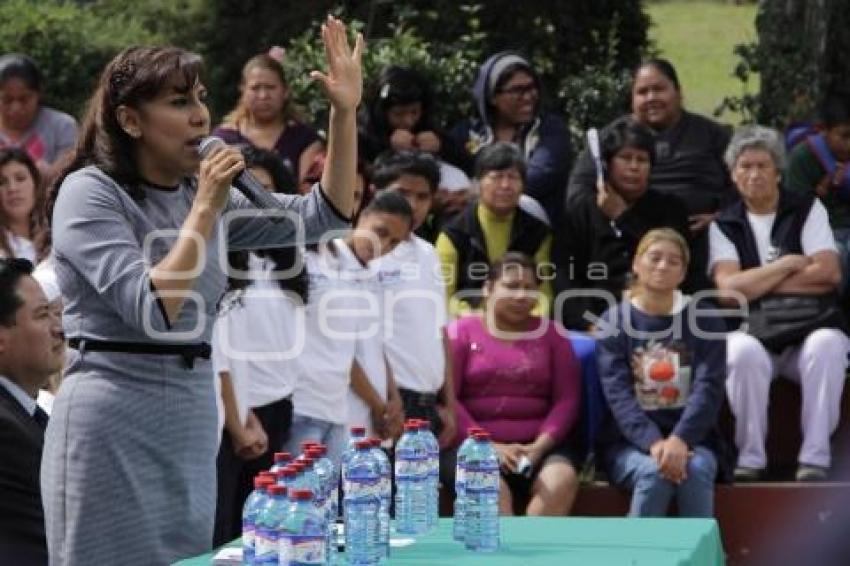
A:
651, 494
332, 435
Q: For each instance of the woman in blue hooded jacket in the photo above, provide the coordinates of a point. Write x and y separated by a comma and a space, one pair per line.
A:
507, 96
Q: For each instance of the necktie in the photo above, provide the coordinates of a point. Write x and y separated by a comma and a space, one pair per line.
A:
40, 417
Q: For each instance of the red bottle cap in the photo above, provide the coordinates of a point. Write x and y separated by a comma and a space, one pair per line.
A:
277, 490
301, 495
263, 481
280, 457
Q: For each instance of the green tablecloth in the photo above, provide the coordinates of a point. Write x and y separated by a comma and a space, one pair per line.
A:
580, 541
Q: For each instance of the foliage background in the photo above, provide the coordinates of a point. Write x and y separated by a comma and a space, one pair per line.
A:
802, 56
582, 48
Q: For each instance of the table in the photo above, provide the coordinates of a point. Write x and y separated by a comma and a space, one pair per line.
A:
567, 541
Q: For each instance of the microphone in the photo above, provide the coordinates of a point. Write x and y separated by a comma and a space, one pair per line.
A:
247, 184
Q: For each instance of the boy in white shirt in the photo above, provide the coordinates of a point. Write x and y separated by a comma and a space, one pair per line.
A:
414, 298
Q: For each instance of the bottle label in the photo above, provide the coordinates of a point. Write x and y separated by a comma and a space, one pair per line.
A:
481, 479
301, 549
361, 487
265, 543
408, 465
247, 535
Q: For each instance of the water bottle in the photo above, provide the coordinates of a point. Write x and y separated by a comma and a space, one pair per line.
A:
411, 473
459, 526
385, 492
281, 459
255, 502
286, 476
298, 467
482, 495
324, 470
309, 479
356, 434
269, 521
361, 506
303, 533
332, 480
433, 447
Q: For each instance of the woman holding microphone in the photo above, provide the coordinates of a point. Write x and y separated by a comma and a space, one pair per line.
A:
128, 474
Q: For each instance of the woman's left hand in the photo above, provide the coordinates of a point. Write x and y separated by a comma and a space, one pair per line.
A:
343, 83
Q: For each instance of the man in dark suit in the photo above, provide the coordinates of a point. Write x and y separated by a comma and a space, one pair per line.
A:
31, 349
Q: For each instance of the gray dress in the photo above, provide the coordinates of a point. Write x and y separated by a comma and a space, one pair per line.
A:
128, 475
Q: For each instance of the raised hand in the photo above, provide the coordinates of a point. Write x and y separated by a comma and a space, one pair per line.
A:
343, 83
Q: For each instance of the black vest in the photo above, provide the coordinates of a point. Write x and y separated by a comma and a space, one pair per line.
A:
785, 236
465, 233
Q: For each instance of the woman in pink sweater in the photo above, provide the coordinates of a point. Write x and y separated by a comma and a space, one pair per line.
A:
516, 376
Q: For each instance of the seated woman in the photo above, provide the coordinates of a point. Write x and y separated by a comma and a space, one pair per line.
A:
688, 157
45, 134
596, 242
777, 244
23, 226
267, 117
662, 371
399, 116
507, 96
516, 376
489, 227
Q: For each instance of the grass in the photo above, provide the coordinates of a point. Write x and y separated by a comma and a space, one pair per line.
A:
698, 37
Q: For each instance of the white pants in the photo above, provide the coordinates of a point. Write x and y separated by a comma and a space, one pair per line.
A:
818, 365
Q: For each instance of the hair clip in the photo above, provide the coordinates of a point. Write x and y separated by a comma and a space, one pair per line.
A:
277, 53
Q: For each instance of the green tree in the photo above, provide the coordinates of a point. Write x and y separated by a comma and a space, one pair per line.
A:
580, 47
71, 44
801, 55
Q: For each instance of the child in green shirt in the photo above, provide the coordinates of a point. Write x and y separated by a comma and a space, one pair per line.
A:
821, 163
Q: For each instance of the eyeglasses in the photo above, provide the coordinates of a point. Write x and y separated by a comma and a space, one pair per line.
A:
519, 91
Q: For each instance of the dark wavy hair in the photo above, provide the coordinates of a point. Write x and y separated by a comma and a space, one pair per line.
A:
661, 65
20, 66
626, 132
39, 231
499, 156
397, 86
135, 76
12, 270
512, 260
391, 165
